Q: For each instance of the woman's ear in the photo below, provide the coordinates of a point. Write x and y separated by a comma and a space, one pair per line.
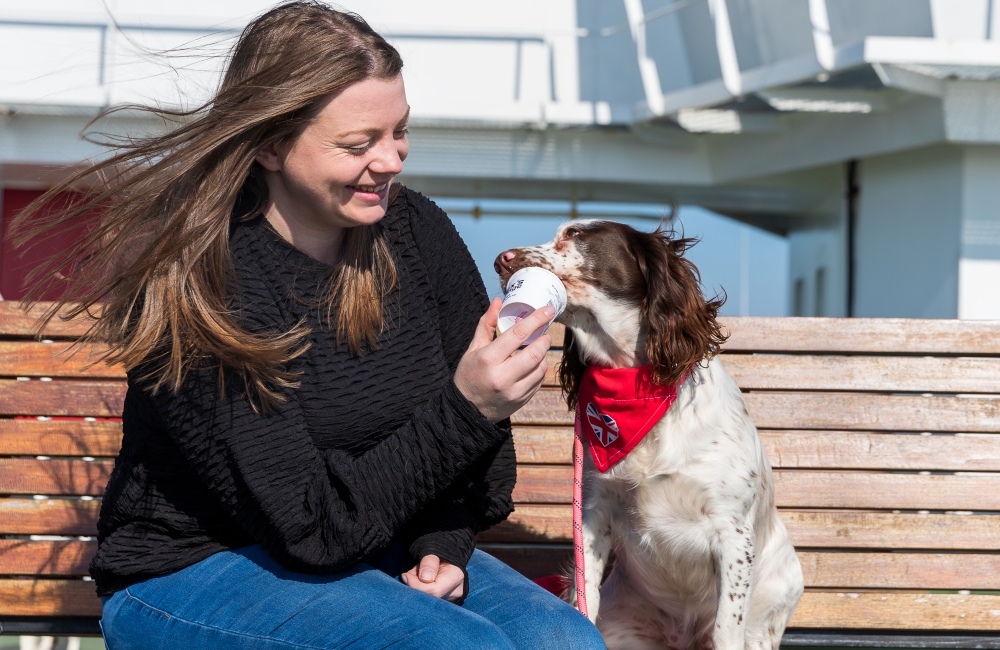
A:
681, 324
270, 158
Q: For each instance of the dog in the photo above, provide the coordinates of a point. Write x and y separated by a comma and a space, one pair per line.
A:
701, 559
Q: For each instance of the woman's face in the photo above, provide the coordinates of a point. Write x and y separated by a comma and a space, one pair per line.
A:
336, 173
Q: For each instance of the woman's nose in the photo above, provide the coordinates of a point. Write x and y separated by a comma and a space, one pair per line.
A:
503, 261
387, 159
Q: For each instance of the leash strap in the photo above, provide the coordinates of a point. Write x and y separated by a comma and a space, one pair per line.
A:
578, 450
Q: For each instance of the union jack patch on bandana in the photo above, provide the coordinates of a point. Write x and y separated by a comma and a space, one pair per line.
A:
604, 426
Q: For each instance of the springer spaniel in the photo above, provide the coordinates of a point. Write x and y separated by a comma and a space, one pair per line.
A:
701, 558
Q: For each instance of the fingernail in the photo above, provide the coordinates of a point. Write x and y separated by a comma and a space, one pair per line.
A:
427, 575
548, 311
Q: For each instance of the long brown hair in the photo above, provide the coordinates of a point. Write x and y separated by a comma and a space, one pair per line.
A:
157, 273
681, 325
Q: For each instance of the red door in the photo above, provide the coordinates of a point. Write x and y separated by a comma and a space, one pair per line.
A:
16, 262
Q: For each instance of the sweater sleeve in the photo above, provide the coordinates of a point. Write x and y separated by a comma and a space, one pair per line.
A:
481, 496
316, 511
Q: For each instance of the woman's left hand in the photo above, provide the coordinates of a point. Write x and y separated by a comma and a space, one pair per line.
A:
437, 578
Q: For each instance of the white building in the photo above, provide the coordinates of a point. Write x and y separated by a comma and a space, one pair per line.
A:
865, 130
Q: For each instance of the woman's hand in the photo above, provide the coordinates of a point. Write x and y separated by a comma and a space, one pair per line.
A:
437, 578
495, 379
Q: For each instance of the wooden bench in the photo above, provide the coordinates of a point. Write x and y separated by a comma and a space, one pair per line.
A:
884, 436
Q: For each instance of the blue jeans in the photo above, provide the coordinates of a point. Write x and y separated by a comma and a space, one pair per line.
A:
244, 599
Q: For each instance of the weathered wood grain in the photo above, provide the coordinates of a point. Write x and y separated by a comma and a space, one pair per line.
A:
862, 335
900, 570
864, 373
553, 523
15, 322
62, 397
863, 490
872, 450
853, 335
55, 476
886, 530
889, 610
59, 438
55, 359
853, 411
814, 449
46, 558
55, 597
815, 489
533, 561
860, 411
545, 445
20, 516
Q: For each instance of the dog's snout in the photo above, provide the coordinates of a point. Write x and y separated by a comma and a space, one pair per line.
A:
503, 261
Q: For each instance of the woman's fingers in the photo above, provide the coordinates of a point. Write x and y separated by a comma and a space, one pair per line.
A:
447, 581
428, 570
512, 339
487, 326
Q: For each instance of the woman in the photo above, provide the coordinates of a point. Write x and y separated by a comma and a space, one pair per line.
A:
311, 441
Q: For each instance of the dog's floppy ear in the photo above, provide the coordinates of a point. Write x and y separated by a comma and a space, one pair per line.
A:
681, 321
571, 369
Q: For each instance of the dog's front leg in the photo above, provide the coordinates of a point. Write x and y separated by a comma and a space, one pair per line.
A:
597, 540
734, 557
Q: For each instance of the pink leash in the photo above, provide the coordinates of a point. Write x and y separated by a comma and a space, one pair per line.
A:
581, 584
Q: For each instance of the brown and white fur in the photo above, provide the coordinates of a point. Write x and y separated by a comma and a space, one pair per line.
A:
701, 557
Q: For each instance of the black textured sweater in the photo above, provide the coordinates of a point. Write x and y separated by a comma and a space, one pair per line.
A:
367, 451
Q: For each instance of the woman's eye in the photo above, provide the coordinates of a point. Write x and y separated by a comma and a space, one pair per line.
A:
357, 151
401, 133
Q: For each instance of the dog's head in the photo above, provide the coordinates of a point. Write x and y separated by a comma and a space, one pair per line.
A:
632, 298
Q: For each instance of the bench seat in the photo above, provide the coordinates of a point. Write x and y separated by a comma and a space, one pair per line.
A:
884, 436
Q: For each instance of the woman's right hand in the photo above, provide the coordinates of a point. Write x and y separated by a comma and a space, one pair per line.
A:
495, 379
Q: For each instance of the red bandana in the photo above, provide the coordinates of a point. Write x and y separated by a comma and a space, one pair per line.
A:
617, 408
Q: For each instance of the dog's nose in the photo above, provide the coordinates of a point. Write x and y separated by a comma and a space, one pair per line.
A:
503, 260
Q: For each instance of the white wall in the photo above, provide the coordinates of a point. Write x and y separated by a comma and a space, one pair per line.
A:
907, 239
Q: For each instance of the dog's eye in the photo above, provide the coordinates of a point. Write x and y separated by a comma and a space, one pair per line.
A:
570, 233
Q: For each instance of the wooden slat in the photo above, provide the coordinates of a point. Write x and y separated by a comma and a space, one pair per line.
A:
45, 558
820, 570
893, 530
862, 335
533, 524
56, 476
62, 398
808, 529
59, 438
48, 598
547, 407
557, 331
858, 335
19, 516
533, 561
900, 570
859, 411
549, 445
814, 449
854, 411
871, 450
901, 374
15, 322
888, 610
815, 489
543, 484
56, 359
